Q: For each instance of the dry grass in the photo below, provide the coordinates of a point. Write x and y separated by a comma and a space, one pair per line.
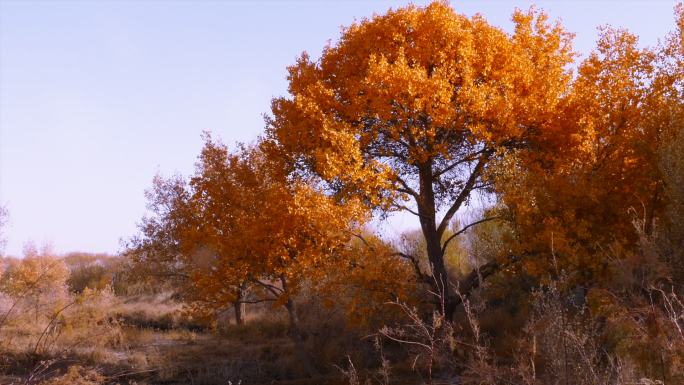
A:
142, 339
155, 311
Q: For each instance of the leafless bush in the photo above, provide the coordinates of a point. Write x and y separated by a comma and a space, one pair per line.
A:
566, 344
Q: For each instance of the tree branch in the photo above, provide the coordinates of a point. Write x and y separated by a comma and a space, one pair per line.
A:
407, 189
464, 229
416, 265
253, 301
405, 208
359, 236
465, 192
466, 159
475, 278
275, 290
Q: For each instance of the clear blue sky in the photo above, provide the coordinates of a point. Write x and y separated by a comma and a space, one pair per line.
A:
98, 96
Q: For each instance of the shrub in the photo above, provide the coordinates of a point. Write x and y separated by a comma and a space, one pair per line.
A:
77, 375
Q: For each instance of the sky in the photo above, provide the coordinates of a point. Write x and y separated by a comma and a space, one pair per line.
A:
98, 96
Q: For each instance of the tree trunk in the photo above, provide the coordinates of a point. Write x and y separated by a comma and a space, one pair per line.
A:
427, 213
239, 305
239, 308
649, 215
296, 333
441, 283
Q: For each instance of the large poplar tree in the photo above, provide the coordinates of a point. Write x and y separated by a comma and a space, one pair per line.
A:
409, 109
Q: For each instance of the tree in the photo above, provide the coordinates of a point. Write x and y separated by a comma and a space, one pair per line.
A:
3, 222
572, 211
39, 278
409, 109
285, 232
177, 248
242, 221
366, 277
216, 199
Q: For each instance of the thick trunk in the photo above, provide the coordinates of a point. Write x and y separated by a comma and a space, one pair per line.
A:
427, 210
441, 283
296, 333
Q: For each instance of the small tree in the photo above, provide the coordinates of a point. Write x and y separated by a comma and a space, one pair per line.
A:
240, 222
39, 279
175, 247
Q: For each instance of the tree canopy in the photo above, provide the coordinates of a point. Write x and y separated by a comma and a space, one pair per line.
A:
409, 109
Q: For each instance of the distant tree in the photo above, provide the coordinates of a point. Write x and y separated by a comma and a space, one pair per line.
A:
4, 214
238, 226
285, 231
456, 259
155, 253
39, 278
93, 271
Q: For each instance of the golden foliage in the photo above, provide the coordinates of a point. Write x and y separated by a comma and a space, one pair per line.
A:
621, 111
420, 85
409, 108
36, 275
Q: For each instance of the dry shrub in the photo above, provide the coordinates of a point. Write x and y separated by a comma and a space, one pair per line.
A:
158, 312
77, 375
89, 321
332, 336
562, 343
93, 271
79, 324
41, 322
36, 283
600, 337
429, 343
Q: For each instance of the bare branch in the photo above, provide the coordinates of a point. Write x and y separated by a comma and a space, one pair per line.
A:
275, 290
464, 229
359, 236
465, 192
466, 159
405, 208
387, 335
416, 266
407, 189
253, 301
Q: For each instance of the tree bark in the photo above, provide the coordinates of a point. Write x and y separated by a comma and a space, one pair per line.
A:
239, 308
433, 241
296, 333
239, 305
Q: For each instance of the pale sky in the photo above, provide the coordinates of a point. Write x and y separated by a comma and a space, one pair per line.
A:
97, 96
